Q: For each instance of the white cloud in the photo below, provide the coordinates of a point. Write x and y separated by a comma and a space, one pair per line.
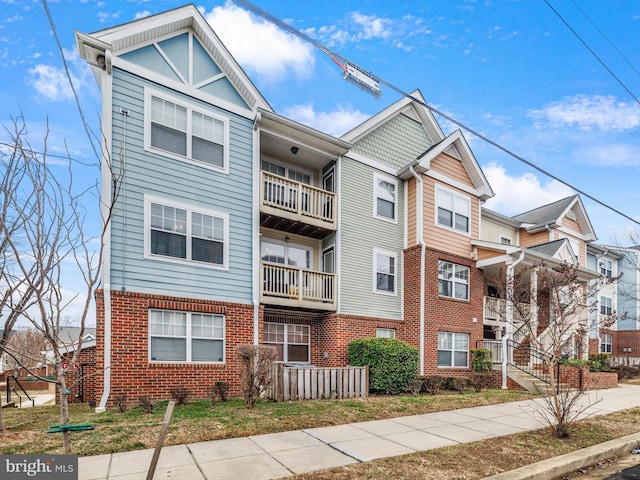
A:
143, 14
52, 82
612, 155
336, 122
518, 194
260, 46
371, 26
586, 112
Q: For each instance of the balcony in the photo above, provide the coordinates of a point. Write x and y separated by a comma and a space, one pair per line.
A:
495, 310
295, 287
295, 207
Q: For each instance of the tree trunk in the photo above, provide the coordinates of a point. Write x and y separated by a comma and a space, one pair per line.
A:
64, 411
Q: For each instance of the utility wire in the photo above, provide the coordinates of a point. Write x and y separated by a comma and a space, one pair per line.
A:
606, 38
63, 157
66, 69
592, 52
333, 54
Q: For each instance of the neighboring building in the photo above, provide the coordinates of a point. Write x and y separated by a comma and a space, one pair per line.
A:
236, 225
622, 339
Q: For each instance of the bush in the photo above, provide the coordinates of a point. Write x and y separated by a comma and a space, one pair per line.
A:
255, 370
121, 402
460, 384
146, 404
180, 395
481, 360
480, 380
626, 372
599, 362
220, 390
432, 384
392, 363
417, 385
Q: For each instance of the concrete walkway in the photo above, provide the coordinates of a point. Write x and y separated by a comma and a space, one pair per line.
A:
284, 454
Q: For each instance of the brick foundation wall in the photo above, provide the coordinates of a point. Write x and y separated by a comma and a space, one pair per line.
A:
133, 375
590, 380
626, 339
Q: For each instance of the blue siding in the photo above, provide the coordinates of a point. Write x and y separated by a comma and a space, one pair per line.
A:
627, 288
178, 181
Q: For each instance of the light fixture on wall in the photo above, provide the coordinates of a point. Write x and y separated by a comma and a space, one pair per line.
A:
294, 150
287, 239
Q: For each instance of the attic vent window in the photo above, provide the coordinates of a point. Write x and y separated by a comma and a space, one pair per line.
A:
571, 215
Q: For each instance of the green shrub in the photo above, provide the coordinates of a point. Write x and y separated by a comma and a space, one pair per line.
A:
481, 360
392, 363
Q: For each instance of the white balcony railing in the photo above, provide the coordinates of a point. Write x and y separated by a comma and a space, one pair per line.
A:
308, 203
495, 309
284, 285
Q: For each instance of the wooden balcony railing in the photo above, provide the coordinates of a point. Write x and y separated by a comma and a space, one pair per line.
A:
297, 201
291, 286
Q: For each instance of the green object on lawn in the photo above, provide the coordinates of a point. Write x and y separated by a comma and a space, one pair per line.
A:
69, 428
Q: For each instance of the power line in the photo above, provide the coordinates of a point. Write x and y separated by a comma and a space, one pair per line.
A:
48, 154
606, 38
592, 52
512, 154
66, 69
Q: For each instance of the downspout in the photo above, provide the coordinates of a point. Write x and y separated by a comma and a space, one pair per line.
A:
255, 275
509, 320
420, 239
107, 179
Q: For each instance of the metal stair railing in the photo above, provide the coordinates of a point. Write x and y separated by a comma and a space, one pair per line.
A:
9, 389
535, 359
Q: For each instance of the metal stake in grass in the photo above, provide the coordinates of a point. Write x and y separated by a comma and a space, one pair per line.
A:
163, 432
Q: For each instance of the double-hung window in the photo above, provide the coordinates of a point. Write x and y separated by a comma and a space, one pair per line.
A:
453, 280
291, 341
386, 332
186, 336
385, 200
179, 232
384, 264
453, 349
452, 210
606, 343
606, 307
606, 267
178, 129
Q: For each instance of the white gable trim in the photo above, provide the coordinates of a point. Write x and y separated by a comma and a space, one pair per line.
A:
358, 157
181, 87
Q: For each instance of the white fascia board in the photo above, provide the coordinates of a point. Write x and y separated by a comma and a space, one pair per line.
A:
358, 157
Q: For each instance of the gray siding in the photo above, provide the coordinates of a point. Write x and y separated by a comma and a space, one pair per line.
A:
179, 181
361, 233
395, 143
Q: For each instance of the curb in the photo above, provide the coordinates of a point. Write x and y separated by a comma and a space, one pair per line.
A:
556, 467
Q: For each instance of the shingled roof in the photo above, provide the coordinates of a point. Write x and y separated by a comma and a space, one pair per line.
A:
547, 214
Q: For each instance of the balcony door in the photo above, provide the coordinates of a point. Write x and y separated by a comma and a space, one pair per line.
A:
285, 278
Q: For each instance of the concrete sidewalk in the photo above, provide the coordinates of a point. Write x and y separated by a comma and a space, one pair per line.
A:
283, 454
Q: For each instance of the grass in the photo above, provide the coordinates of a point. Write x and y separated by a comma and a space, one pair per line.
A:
198, 421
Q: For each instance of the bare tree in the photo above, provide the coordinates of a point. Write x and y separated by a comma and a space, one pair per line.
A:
26, 349
43, 237
547, 310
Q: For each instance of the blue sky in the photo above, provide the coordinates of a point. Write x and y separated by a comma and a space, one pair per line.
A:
511, 70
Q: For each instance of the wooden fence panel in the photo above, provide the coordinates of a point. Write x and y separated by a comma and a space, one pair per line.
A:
311, 383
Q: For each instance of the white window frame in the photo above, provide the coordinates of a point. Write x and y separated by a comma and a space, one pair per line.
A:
440, 191
384, 253
453, 349
385, 178
606, 267
385, 332
606, 305
455, 280
285, 343
191, 108
606, 343
288, 170
190, 209
505, 240
189, 337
